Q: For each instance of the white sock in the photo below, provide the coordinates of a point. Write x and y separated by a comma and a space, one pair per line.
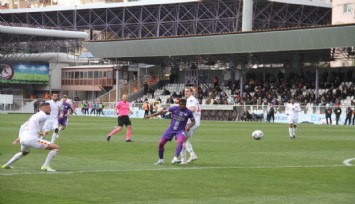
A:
14, 158
189, 148
50, 156
183, 152
54, 137
290, 132
294, 131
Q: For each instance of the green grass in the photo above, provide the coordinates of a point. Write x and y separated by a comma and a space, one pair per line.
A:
232, 167
34, 77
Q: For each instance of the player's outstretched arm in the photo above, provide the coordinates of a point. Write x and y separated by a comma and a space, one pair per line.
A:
155, 114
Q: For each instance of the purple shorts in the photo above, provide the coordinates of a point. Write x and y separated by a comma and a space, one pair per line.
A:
63, 121
169, 134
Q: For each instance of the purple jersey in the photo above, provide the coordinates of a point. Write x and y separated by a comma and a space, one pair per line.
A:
178, 123
64, 109
179, 118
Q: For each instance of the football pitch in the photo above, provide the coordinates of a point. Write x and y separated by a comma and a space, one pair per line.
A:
231, 166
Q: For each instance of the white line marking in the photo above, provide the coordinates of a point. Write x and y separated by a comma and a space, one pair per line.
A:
170, 169
347, 162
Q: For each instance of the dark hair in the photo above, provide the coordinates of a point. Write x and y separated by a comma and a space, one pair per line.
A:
182, 100
44, 104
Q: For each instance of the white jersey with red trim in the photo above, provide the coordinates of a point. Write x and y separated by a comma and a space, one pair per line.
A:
55, 108
192, 101
292, 110
30, 129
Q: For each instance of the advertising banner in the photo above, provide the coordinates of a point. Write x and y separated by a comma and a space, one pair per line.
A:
23, 73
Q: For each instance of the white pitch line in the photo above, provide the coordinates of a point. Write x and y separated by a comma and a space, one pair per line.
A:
169, 169
347, 162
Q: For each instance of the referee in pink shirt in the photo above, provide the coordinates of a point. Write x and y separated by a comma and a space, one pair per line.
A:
122, 110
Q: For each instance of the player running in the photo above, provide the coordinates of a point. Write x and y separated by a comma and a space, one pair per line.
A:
64, 112
52, 122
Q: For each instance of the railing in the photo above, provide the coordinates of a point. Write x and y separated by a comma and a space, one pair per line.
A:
130, 88
310, 113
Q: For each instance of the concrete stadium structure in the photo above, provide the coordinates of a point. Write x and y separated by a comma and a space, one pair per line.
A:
242, 33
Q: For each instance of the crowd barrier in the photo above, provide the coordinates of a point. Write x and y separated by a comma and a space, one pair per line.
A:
308, 114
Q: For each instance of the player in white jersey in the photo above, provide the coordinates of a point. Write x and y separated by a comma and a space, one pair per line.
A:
52, 122
29, 138
192, 104
292, 110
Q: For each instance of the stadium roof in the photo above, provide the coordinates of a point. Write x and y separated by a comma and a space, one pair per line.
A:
45, 57
146, 3
11, 30
72, 7
326, 4
272, 46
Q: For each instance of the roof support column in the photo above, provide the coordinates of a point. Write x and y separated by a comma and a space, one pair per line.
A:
247, 25
247, 16
117, 84
317, 82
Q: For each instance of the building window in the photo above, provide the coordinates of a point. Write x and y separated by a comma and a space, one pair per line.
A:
347, 8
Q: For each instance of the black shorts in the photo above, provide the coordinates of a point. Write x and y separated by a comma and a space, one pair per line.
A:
124, 120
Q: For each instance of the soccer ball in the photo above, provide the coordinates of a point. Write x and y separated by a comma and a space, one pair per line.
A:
257, 134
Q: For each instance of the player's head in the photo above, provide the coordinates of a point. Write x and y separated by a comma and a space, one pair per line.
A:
55, 97
292, 100
64, 98
188, 92
45, 107
124, 97
182, 104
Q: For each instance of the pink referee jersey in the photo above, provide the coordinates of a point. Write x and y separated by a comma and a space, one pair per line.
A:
123, 108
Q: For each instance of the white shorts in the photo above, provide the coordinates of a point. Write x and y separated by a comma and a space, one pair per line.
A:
191, 132
292, 121
37, 144
50, 124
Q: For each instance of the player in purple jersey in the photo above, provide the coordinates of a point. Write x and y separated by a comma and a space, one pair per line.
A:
64, 112
179, 117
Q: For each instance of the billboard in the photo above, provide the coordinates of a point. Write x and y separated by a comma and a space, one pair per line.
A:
24, 73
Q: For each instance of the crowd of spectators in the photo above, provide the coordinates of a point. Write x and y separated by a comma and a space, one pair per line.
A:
277, 89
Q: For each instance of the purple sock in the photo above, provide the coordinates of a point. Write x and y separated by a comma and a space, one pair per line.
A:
180, 141
161, 148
